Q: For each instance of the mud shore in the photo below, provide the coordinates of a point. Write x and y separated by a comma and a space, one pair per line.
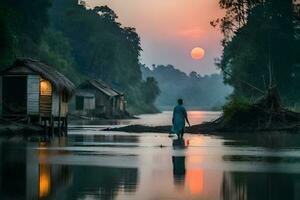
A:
205, 128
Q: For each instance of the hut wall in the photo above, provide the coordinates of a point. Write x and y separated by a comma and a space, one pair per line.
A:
114, 106
33, 94
89, 103
122, 104
55, 104
45, 105
64, 109
104, 104
85, 99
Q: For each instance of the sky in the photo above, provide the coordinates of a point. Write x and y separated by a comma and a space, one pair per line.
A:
170, 29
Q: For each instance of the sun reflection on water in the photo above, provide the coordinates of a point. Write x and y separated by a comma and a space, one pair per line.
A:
195, 181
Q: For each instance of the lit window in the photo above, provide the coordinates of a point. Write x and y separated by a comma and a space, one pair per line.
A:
45, 87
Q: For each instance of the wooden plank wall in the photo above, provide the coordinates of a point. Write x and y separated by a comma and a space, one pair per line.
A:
45, 105
55, 103
89, 103
33, 94
64, 109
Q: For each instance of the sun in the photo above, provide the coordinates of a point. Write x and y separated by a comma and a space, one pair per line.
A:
197, 53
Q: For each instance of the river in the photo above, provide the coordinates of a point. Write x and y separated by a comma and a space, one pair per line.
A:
93, 164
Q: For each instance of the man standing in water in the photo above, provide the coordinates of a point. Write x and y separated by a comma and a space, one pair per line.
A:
179, 118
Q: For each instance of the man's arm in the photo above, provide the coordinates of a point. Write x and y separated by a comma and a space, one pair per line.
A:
186, 117
173, 116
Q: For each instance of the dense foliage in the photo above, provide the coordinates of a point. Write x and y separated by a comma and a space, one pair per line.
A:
261, 47
21, 27
81, 43
198, 91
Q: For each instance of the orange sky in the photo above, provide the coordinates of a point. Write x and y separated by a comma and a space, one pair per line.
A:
169, 29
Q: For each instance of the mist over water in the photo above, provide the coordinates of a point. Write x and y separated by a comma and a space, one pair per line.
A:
199, 92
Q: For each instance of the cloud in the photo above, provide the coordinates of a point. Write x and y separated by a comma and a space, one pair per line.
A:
192, 33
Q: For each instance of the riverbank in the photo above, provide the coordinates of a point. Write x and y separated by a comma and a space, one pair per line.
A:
264, 115
206, 128
11, 128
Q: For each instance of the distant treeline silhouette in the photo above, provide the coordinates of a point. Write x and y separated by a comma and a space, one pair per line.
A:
206, 92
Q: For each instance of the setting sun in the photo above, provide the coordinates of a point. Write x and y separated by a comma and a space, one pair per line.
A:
197, 53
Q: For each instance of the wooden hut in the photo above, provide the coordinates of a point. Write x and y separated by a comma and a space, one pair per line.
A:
94, 97
32, 90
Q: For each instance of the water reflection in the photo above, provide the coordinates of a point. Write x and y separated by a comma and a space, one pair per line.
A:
260, 186
101, 139
270, 140
26, 174
101, 182
193, 179
150, 166
178, 162
24, 177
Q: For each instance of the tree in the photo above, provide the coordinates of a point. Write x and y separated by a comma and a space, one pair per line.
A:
22, 25
150, 86
262, 41
104, 49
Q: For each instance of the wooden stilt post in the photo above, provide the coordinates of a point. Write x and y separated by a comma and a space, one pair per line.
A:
28, 120
46, 128
52, 125
66, 125
62, 126
59, 127
59, 116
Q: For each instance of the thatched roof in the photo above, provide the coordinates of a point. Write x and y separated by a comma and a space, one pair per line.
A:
58, 80
102, 86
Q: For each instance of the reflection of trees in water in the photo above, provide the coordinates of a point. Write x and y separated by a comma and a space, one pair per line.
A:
233, 187
271, 140
101, 182
260, 186
13, 171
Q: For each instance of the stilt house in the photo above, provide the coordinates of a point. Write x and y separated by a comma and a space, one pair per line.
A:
97, 98
32, 90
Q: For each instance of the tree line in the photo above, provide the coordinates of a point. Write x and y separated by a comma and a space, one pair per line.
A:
79, 42
261, 46
199, 92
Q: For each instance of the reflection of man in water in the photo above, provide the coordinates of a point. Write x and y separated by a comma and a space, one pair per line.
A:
179, 118
178, 162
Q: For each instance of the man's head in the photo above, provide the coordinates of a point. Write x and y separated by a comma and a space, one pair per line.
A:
180, 101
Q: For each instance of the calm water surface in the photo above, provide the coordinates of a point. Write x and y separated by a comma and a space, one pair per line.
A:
91, 164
